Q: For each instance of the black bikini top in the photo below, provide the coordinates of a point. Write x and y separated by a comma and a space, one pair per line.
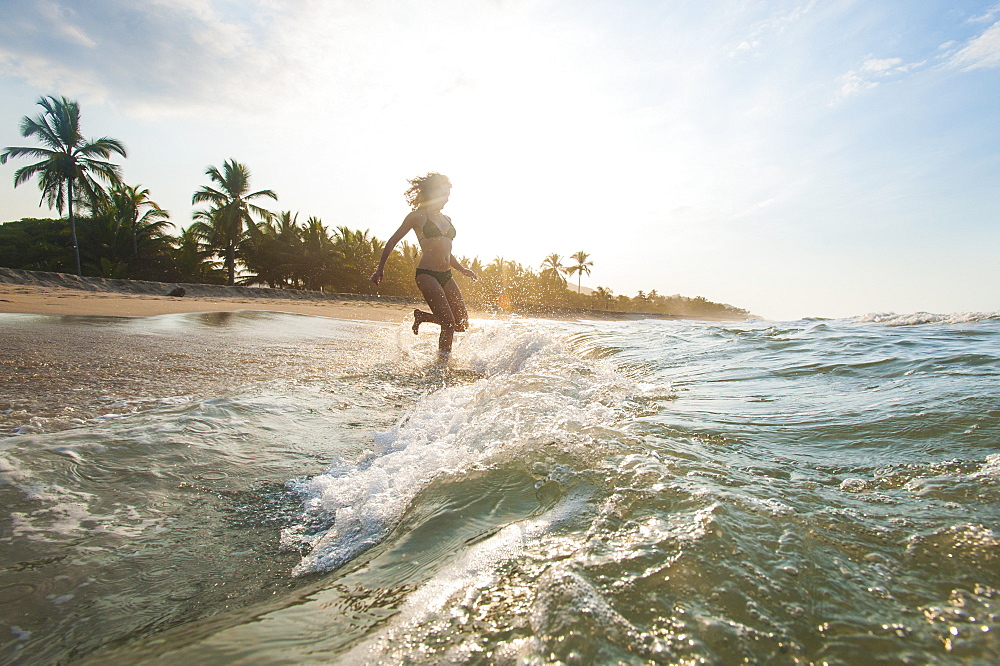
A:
431, 230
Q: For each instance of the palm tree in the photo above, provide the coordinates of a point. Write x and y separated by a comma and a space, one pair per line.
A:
68, 163
122, 237
582, 266
500, 280
273, 250
357, 255
104, 247
553, 270
287, 247
230, 217
317, 255
501, 269
141, 224
194, 261
603, 297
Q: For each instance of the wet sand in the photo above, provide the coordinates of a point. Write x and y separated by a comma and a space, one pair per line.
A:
60, 370
73, 365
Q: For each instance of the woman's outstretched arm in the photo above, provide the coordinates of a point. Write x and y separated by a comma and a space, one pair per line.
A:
390, 245
462, 269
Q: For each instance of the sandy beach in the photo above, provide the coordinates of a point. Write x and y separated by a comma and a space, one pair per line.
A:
64, 301
53, 293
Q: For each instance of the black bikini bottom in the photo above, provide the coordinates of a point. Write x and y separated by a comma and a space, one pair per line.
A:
441, 276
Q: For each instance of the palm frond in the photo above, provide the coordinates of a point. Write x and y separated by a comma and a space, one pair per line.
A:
260, 212
213, 173
154, 214
25, 173
45, 133
112, 173
65, 116
26, 151
209, 195
103, 146
261, 193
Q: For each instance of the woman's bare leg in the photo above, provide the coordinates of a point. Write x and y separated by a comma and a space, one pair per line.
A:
438, 301
457, 304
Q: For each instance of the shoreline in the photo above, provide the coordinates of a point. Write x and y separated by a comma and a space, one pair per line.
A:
38, 292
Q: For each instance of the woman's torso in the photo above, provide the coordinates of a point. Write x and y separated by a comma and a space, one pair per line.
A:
435, 233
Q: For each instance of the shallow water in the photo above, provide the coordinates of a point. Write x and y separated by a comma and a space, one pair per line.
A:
308, 489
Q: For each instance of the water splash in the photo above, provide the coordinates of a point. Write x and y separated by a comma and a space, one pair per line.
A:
535, 392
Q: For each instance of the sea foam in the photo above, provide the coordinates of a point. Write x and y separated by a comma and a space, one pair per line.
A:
532, 391
918, 318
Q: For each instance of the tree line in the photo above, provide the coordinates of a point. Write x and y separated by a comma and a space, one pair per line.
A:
116, 230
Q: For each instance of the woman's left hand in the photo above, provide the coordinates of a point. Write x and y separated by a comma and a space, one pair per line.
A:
470, 274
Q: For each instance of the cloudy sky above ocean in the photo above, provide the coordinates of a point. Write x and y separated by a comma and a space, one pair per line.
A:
796, 158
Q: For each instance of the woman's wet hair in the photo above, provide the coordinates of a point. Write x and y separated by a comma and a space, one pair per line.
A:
426, 187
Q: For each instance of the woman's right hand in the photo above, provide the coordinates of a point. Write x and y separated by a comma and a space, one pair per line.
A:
377, 275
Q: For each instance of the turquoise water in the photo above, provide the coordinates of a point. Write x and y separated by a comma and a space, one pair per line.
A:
574, 492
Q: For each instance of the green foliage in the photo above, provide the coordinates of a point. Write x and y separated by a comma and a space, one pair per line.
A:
357, 256
35, 244
193, 262
271, 252
127, 235
400, 271
113, 270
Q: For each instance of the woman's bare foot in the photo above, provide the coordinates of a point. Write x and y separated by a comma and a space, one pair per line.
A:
419, 317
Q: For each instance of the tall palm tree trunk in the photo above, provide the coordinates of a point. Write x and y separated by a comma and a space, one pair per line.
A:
231, 263
72, 226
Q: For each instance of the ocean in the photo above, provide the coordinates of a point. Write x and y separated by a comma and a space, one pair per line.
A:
272, 488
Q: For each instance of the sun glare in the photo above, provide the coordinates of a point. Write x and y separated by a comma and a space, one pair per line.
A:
515, 111
528, 140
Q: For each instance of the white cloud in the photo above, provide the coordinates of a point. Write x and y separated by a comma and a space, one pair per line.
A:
64, 22
981, 52
874, 71
167, 54
988, 16
775, 24
880, 65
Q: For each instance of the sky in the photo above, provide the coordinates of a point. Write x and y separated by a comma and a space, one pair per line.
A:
797, 158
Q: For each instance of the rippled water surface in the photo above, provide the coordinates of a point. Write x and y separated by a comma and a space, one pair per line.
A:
277, 488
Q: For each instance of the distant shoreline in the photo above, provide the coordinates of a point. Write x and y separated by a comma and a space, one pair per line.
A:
39, 292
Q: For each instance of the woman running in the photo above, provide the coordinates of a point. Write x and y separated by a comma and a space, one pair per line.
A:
435, 232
